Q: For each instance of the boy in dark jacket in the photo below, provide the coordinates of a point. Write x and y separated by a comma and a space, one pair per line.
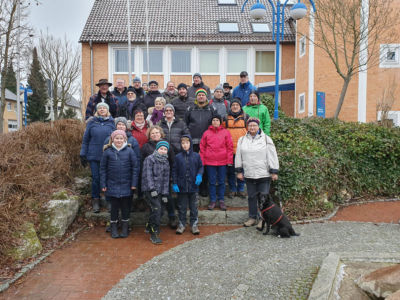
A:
186, 177
119, 172
155, 185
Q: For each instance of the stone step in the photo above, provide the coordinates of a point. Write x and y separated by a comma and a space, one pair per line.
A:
230, 202
206, 217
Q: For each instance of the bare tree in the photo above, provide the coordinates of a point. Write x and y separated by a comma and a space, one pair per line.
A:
347, 30
61, 63
385, 102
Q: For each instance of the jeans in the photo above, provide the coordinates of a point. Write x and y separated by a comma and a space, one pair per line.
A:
156, 210
235, 184
183, 200
216, 174
253, 187
120, 204
95, 168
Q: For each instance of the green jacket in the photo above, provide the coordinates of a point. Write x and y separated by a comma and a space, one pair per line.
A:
260, 112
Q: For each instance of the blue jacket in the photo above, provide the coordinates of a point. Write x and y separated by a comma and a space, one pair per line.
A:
119, 171
187, 165
93, 139
155, 176
132, 141
121, 97
243, 91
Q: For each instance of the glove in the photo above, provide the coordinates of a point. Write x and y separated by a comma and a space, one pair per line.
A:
164, 199
154, 194
199, 179
175, 188
83, 161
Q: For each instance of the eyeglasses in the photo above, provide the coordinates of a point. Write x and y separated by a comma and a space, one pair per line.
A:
168, 110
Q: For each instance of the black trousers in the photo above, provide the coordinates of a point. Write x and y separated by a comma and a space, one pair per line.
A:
203, 188
122, 204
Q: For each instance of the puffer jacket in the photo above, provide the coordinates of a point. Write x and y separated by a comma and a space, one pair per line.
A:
96, 99
150, 97
97, 130
260, 111
168, 97
131, 141
243, 91
256, 156
139, 134
187, 166
119, 171
174, 133
221, 106
122, 98
192, 90
236, 127
216, 148
181, 105
198, 119
127, 110
155, 176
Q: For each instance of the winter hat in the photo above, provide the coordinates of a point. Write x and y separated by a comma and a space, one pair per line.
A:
255, 93
136, 79
182, 85
122, 120
169, 105
201, 91
236, 100
217, 117
102, 104
198, 75
153, 82
131, 89
255, 120
118, 132
162, 144
219, 87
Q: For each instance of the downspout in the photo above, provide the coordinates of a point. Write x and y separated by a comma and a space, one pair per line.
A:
91, 67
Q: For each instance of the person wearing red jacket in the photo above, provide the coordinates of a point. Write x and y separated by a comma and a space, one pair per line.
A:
216, 152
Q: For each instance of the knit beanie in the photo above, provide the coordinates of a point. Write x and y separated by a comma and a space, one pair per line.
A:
122, 120
182, 85
217, 116
236, 100
255, 120
162, 144
201, 91
219, 87
118, 132
255, 93
198, 75
102, 104
136, 79
169, 105
131, 89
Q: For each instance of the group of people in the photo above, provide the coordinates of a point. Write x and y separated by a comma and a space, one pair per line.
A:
184, 141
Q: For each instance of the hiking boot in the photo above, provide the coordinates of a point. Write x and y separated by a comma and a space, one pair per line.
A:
195, 230
241, 194
114, 229
96, 205
249, 222
203, 193
222, 205
180, 229
173, 222
108, 227
125, 229
155, 239
147, 228
259, 225
211, 206
231, 194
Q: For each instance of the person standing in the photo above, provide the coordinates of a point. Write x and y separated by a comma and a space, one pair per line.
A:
182, 102
198, 84
133, 103
227, 91
170, 92
244, 88
218, 102
257, 163
119, 91
137, 86
258, 110
97, 130
139, 127
152, 94
103, 95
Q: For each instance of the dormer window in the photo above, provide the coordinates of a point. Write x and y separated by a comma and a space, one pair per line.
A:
260, 27
228, 27
226, 2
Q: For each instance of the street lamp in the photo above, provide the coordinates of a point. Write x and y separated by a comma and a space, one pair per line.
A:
259, 11
27, 92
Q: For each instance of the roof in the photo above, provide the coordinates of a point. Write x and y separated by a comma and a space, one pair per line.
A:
10, 95
177, 22
70, 100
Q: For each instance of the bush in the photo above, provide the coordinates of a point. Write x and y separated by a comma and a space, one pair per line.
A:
33, 162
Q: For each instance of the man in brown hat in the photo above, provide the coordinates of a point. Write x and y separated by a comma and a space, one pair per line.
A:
227, 91
103, 95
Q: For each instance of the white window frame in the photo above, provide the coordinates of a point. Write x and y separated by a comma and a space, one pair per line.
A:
170, 61
14, 125
219, 60
226, 59
163, 54
304, 100
227, 2
392, 115
255, 31
270, 48
228, 31
9, 106
114, 48
302, 41
384, 49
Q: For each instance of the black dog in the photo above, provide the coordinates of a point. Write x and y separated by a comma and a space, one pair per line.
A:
274, 217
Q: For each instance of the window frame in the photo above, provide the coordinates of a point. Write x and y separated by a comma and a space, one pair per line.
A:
267, 24
9, 106
233, 2
227, 62
114, 51
384, 50
219, 59
300, 111
301, 41
255, 62
162, 62
228, 31
14, 125
170, 61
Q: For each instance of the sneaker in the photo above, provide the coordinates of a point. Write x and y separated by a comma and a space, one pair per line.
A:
241, 194
249, 222
195, 230
222, 205
211, 206
173, 222
180, 229
155, 239
259, 225
147, 228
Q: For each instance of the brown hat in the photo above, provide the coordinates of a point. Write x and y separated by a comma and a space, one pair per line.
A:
227, 86
103, 81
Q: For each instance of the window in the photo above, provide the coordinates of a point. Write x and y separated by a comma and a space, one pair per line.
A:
260, 27
209, 61
302, 46
12, 125
9, 106
390, 56
237, 61
302, 102
155, 60
265, 61
226, 2
228, 27
15, 107
180, 61
121, 60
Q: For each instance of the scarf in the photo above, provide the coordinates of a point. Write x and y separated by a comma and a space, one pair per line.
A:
157, 115
103, 119
237, 114
161, 158
140, 125
123, 146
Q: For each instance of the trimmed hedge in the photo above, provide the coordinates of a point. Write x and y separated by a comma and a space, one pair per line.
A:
326, 158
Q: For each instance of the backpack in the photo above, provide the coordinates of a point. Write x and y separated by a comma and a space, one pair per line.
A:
225, 102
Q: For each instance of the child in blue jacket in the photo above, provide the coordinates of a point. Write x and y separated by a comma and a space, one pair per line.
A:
187, 175
119, 172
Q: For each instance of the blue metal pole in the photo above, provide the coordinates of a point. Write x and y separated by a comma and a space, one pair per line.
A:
277, 54
26, 103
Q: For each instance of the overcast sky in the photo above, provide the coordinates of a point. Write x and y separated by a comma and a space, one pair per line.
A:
61, 17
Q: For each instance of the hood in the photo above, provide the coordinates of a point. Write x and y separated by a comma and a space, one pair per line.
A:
212, 128
123, 92
191, 143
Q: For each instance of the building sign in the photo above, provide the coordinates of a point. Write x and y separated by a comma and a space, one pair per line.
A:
321, 104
